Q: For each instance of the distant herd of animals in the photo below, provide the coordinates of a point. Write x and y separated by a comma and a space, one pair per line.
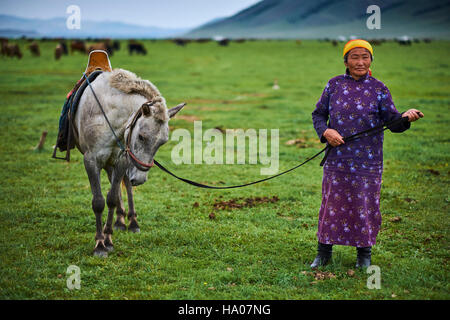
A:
134, 47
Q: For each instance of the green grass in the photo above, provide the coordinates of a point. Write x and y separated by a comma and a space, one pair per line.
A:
258, 252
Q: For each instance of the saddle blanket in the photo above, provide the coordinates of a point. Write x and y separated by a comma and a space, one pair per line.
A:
71, 105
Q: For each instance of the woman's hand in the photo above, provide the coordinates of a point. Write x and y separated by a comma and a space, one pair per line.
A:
413, 115
333, 137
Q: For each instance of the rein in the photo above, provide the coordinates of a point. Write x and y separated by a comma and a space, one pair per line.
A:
139, 164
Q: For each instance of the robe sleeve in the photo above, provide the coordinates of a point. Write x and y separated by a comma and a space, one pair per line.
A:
320, 114
388, 112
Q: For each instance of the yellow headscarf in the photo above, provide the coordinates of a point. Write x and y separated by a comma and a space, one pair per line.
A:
357, 43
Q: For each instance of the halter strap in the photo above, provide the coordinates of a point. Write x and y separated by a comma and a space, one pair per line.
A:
142, 166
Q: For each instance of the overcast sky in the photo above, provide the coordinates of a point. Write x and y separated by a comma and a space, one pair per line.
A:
159, 13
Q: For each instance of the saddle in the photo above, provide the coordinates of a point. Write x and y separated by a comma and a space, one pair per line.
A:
98, 62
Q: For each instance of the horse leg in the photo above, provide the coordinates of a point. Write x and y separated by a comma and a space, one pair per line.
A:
132, 216
120, 213
98, 203
113, 201
120, 210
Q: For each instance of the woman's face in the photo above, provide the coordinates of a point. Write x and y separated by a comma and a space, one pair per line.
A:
358, 62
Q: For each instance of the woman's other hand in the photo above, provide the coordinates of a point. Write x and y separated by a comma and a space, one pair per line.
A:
413, 115
333, 137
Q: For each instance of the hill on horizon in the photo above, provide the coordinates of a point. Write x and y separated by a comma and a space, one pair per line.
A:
331, 19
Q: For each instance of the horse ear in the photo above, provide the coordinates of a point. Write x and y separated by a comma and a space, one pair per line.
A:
146, 110
173, 111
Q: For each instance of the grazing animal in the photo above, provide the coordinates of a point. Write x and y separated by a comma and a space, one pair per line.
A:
180, 42
404, 41
59, 50
223, 42
64, 48
136, 47
34, 49
116, 45
109, 46
139, 117
78, 45
13, 50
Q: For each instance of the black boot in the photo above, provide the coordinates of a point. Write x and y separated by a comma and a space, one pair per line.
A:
363, 258
324, 252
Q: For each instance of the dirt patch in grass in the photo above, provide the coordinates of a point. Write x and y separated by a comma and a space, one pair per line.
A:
239, 203
320, 275
395, 219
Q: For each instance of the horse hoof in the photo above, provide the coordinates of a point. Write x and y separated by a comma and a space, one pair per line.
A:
109, 247
100, 249
101, 253
134, 230
120, 227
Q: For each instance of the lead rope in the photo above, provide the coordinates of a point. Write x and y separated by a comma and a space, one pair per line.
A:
200, 185
373, 131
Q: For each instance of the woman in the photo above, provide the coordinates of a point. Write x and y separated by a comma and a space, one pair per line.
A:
354, 102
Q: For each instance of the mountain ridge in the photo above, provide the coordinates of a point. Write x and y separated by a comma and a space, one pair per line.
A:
332, 18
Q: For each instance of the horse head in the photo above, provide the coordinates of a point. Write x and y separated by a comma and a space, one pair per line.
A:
146, 131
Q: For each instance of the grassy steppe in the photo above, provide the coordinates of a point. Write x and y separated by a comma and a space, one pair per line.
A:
259, 252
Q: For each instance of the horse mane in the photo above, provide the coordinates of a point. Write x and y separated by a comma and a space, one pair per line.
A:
130, 83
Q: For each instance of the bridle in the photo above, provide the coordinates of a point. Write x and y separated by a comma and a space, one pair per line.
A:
140, 165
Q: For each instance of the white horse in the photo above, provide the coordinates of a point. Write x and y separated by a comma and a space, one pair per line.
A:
139, 117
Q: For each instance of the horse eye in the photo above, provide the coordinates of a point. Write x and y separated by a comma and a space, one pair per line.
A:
141, 137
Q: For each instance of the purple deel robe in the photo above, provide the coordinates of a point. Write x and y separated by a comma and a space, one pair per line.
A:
350, 210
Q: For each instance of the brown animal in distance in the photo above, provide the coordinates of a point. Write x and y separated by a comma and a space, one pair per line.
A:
34, 49
58, 51
13, 50
77, 45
